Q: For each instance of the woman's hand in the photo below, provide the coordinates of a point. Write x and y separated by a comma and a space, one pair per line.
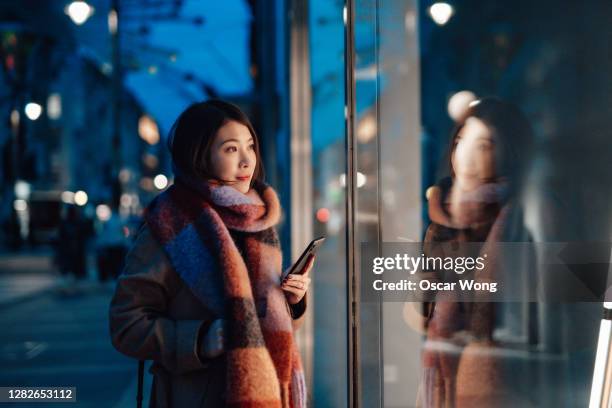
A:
295, 285
213, 343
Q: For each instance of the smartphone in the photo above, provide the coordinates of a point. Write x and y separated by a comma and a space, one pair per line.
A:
311, 249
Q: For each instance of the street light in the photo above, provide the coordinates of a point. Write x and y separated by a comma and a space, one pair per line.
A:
79, 12
160, 181
80, 198
441, 12
33, 110
148, 130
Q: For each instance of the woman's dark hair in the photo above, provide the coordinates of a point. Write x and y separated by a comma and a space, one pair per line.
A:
192, 135
512, 137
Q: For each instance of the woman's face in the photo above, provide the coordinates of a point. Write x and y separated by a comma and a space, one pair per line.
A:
233, 157
474, 156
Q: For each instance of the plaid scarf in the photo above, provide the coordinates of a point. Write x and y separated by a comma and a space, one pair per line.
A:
191, 220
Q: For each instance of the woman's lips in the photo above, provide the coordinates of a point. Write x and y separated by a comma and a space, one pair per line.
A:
244, 178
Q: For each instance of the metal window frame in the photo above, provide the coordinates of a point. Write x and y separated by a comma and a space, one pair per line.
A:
351, 186
301, 158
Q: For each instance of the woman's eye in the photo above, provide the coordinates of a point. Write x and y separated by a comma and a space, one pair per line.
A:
231, 149
252, 147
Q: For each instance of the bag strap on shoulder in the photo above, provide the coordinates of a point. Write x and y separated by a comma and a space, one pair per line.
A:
140, 381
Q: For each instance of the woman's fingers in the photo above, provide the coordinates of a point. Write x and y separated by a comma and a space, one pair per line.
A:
295, 285
298, 281
295, 291
295, 288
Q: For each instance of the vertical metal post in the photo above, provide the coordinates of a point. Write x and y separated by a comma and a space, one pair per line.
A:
301, 158
602, 374
601, 387
351, 171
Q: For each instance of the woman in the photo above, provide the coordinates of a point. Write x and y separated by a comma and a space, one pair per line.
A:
488, 154
200, 294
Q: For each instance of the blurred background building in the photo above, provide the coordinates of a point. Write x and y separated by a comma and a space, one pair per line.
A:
88, 93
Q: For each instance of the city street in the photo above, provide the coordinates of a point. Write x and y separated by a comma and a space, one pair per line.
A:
58, 337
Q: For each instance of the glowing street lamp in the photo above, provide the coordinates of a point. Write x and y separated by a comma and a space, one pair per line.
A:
160, 181
79, 12
148, 130
33, 110
441, 12
80, 198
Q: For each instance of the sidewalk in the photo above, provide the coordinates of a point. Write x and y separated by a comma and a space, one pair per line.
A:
26, 275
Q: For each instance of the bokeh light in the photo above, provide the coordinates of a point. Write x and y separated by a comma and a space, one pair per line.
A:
33, 110
160, 181
441, 12
79, 12
80, 198
323, 215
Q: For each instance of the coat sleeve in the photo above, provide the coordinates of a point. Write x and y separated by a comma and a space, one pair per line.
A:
139, 325
297, 312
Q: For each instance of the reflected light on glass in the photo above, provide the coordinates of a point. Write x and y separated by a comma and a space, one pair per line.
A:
369, 73
344, 14
459, 103
54, 106
20, 205
322, 215
79, 12
335, 223
33, 110
80, 198
103, 212
160, 181
410, 21
148, 130
429, 192
361, 179
441, 13
366, 129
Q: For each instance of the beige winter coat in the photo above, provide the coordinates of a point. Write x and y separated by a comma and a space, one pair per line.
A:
154, 316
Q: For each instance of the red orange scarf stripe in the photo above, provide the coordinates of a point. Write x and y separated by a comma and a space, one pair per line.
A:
192, 222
